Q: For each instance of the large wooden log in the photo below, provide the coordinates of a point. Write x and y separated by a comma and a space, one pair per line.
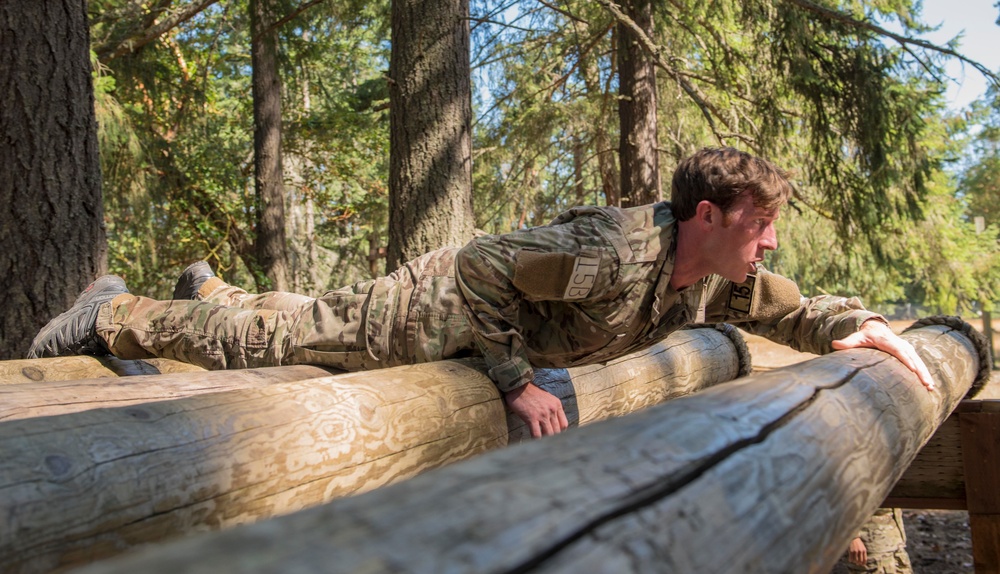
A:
86, 485
771, 473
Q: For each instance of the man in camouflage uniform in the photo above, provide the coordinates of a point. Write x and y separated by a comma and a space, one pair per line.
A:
879, 547
595, 284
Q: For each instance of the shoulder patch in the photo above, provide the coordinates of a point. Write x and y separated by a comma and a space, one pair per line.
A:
554, 276
779, 296
741, 295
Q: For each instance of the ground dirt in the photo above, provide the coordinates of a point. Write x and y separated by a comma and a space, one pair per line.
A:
938, 541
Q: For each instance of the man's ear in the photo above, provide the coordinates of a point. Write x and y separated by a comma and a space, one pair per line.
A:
706, 213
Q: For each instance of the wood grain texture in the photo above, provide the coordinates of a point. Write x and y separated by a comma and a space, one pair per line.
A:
985, 547
771, 473
29, 400
89, 484
127, 368
685, 362
52, 369
84, 367
85, 485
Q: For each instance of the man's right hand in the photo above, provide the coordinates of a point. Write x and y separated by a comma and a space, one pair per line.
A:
539, 409
857, 553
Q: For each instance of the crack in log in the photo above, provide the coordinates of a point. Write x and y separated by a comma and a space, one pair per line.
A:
657, 492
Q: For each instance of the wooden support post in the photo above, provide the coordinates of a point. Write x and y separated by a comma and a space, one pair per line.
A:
988, 331
980, 432
770, 473
86, 485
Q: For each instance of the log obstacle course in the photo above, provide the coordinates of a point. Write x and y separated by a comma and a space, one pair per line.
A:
770, 473
182, 453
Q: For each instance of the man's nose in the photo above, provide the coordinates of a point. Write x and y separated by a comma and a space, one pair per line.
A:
769, 240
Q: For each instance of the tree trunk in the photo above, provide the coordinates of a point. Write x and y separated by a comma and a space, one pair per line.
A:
579, 186
637, 148
51, 215
268, 175
610, 176
430, 144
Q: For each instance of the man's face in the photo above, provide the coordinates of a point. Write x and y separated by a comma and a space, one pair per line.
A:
745, 234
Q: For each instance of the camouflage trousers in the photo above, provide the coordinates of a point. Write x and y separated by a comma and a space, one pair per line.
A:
885, 539
897, 562
413, 315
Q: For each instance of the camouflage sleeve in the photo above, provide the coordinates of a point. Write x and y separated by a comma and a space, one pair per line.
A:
770, 305
497, 274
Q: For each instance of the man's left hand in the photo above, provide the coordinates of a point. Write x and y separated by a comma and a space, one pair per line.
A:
875, 334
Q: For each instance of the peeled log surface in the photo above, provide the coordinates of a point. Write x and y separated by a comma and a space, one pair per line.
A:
771, 473
52, 369
125, 368
84, 367
85, 485
29, 400
683, 363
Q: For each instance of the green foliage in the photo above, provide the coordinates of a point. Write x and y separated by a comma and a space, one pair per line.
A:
980, 181
541, 80
177, 140
814, 87
857, 116
938, 262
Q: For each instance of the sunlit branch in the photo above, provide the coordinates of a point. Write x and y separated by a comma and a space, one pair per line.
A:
904, 40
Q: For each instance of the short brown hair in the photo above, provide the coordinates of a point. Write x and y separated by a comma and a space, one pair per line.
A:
721, 175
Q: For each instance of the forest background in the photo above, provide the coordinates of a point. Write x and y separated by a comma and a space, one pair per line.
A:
281, 140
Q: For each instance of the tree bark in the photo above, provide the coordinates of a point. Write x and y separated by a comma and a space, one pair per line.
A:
430, 122
637, 149
610, 176
51, 215
268, 173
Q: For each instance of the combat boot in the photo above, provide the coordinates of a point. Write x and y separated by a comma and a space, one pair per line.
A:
191, 279
75, 331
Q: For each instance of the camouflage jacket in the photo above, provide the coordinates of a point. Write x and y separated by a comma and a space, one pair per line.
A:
594, 285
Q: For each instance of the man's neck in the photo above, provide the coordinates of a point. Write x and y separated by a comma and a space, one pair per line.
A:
689, 266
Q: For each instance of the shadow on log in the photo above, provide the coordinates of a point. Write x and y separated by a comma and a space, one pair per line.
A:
771, 473
86, 485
